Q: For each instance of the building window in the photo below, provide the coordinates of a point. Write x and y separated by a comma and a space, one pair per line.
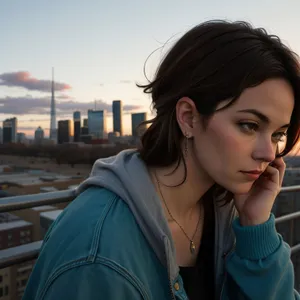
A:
9, 236
1, 279
10, 244
22, 233
6, 290
1, 292
22, 241
23, 282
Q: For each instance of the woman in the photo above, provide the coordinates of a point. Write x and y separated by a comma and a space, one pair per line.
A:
188, 215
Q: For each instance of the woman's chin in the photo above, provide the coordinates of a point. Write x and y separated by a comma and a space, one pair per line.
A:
240, 189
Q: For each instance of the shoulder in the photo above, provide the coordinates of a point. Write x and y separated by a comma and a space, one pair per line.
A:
96, 232
89, 223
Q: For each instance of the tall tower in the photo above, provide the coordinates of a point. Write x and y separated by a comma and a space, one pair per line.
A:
77, 126
137, 128
53, 131
117, 116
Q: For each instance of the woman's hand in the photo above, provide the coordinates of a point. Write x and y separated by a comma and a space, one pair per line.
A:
255, 207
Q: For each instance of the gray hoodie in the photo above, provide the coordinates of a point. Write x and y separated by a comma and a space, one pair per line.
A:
127, 176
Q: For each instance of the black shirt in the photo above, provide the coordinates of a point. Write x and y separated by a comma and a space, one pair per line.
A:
199, 280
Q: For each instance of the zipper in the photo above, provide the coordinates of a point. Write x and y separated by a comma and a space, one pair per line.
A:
171, 290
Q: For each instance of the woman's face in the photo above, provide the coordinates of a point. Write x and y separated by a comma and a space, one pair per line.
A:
243, 137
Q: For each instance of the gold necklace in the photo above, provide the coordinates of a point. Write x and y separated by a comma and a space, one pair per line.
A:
192, 244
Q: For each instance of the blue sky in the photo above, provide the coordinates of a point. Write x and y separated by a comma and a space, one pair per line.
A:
98, 48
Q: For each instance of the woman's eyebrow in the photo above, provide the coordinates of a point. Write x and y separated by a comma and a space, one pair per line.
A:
261, 116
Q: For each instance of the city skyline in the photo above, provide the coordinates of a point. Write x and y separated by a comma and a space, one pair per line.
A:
102, 57
94, 126
98, 105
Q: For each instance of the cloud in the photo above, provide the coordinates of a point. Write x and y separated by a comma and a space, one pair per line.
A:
23, 79
130, 108
41, 106
63, 96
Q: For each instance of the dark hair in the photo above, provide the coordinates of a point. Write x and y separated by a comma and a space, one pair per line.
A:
214, 61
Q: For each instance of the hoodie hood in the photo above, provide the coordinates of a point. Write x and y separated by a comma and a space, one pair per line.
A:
127, 176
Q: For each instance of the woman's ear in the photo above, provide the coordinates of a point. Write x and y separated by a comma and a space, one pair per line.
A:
184, 114
187, 115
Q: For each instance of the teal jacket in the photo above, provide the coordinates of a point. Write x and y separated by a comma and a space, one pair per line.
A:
113, 242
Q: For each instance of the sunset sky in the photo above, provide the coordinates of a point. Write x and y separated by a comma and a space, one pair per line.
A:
99, 48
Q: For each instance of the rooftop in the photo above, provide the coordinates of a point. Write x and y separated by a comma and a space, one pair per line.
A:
52, 215
48, 217
7, 217
14, 224
44, 208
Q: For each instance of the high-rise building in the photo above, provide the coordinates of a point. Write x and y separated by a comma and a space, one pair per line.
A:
7, 131
39, 135
53, 130
85, 123
10, 130
97, 123
21, 137
84, 130
14, 123
77, 125
64, 131
136, 120
117, 116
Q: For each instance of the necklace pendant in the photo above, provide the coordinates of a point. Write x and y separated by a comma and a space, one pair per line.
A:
192, 247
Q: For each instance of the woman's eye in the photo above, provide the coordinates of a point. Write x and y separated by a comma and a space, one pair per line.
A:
248, 127
279, 136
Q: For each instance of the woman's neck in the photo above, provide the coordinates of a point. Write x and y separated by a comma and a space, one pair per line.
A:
181, 199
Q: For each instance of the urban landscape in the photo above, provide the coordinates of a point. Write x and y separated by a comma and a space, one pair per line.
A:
23, 175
